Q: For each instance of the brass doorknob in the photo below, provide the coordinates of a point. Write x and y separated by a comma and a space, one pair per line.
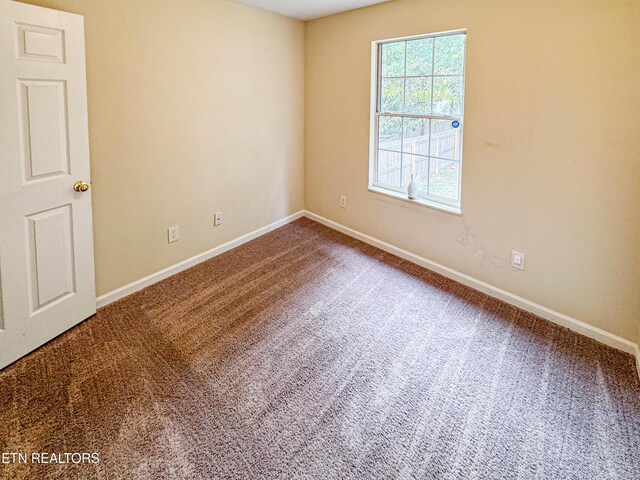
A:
81, 186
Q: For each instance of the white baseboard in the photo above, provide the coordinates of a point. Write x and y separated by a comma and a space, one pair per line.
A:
133, 287
520, 302
540, 310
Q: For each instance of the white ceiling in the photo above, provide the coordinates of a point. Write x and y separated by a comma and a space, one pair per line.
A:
309, 9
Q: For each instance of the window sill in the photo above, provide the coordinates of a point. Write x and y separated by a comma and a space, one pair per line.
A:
419, 201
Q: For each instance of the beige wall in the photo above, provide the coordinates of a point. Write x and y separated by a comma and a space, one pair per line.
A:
195, 106
551, 147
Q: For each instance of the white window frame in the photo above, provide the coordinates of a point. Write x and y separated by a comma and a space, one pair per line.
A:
429, 200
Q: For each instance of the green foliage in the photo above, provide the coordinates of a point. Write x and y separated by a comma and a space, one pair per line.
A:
424, 58
447, 95
449, 55
443, 181
393, 59
419, 57
390, 129
416, 127
418, 95
392, 95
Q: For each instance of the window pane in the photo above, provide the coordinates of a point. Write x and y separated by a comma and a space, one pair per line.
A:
421, 77
392, 95
393, 59
445, 139
447, 95
420, 57
418, 165
416, 136
418, 95
443, 178
389, 133
389, 168
449, 55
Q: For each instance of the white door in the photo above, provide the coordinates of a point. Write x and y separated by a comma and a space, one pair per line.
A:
46, 242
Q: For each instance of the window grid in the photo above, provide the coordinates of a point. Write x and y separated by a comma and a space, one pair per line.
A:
414, 158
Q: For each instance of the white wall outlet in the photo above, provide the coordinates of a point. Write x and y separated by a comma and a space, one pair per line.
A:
343, 201
217, 219
517, 260
174, 233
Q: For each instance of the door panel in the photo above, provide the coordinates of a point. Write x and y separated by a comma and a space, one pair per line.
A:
40, 43
47, 280
44, 127
51, 256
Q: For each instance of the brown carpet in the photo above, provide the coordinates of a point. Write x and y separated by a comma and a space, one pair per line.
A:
307, 354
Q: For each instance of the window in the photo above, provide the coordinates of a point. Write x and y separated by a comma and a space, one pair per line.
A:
417, 117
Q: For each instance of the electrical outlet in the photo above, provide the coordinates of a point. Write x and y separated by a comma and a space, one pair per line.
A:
217, 219
343, 201
174, 233
517, 259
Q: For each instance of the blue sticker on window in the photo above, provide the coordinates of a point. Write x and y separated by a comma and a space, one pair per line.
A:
455, 124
